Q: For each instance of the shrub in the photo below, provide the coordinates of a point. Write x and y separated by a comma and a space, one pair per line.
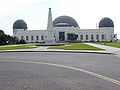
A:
72, 37
22, 41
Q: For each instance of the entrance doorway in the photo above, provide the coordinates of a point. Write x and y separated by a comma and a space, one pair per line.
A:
61, 36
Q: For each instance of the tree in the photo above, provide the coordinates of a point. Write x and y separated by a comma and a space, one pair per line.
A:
72, 37
7, 39
2, 38
1, 32
12, 40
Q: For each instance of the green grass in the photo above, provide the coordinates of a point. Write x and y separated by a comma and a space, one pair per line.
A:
112, 44
75, 46
13, 47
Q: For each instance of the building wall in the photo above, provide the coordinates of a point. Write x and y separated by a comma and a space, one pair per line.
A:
40, 34
107, 32
32, 35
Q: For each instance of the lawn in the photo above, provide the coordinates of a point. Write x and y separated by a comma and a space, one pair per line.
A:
75, 46
13, 47
112, 44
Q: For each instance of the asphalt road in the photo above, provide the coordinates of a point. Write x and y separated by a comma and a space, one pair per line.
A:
59, 71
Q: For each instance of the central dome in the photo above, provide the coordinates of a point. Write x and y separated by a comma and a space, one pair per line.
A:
65, 21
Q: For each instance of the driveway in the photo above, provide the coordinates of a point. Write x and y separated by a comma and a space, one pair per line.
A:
59, 71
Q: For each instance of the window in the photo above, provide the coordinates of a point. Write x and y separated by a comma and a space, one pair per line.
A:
97, 37
27, 38
32, 38
92, 37
22, 37
37, 37
86, 37
42, 37
103, 37
81, 37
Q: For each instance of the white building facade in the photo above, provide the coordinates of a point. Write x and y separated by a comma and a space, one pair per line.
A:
58, 29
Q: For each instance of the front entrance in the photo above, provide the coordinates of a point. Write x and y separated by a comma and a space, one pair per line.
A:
61, 36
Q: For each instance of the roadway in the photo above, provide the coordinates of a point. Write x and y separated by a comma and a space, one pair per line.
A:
59, 71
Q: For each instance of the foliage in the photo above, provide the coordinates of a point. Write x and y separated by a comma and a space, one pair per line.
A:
7, 39
1, 32
22, 41
3, 39
72, 37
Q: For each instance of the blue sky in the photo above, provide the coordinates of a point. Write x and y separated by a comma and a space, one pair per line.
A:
87, 13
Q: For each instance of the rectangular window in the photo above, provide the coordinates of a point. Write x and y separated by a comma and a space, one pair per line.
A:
86, 37
27, 38
81, 37
37, 37
22, 37
32, 38
103, 37
42, 37
97, 37
92, 37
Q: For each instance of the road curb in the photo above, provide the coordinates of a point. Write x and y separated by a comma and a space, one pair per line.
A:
92, 52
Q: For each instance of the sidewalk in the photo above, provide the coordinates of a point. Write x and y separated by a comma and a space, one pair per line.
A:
107, 48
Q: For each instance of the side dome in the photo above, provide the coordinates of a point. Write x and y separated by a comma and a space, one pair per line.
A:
65, 21
20, 24
106, 22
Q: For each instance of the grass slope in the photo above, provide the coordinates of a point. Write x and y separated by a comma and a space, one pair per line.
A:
112, 44
75, 46
13, 47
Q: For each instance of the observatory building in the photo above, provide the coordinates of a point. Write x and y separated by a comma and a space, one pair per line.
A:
58, 29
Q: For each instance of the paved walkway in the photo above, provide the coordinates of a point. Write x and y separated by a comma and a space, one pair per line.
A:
45, 49
107, 48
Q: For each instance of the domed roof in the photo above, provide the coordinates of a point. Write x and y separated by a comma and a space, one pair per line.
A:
106, 22
65, 21
20, 24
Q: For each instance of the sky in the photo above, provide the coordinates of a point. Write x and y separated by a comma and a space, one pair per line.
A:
87, 13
